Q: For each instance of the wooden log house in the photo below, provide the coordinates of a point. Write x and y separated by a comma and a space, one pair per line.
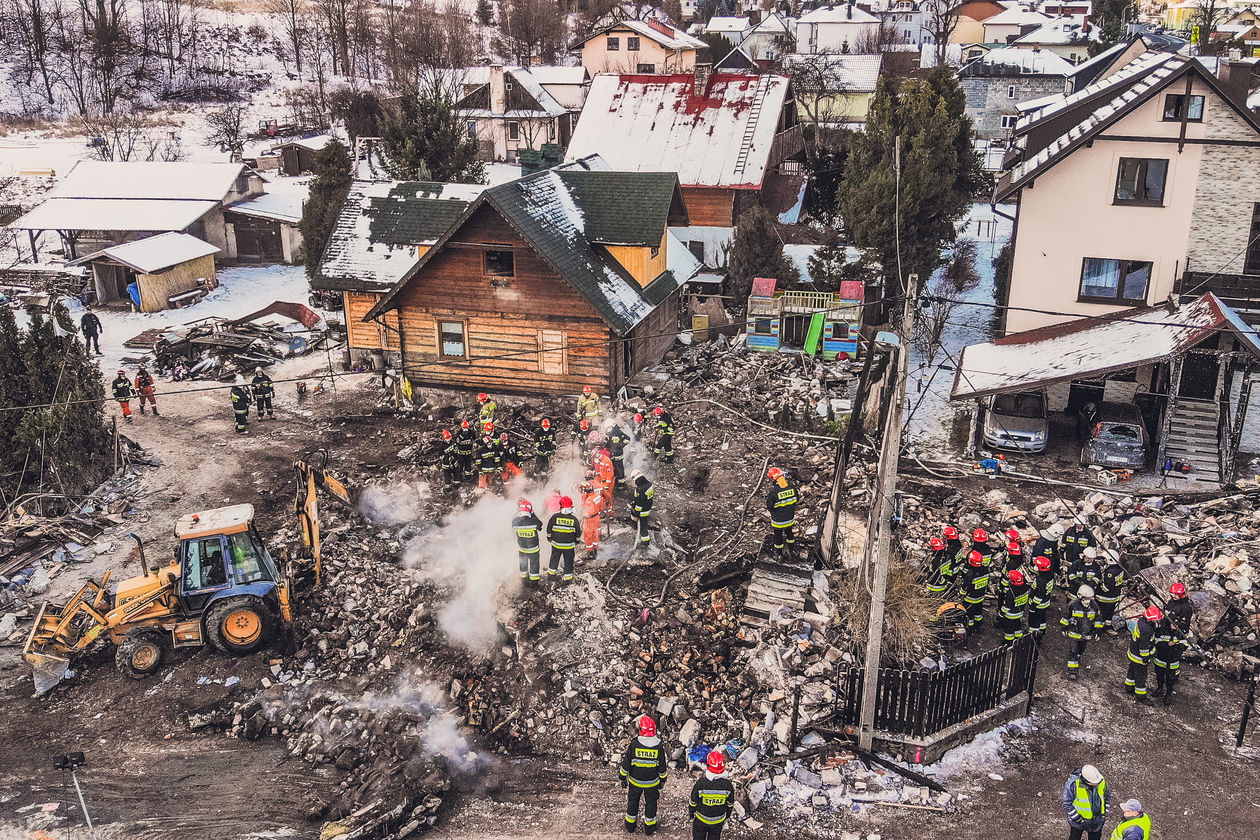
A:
541, 285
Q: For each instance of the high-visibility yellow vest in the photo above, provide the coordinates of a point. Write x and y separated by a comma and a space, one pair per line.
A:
1141, 820
1084, 809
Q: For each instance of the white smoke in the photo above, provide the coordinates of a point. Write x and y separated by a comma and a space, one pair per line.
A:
475, 550
388, 505
441, 735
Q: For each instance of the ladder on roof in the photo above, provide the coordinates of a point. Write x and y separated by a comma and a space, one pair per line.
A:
745, 146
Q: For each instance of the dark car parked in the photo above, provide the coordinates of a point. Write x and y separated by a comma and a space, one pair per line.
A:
1113, 435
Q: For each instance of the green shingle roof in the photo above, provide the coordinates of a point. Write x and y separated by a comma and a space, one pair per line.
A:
623, 208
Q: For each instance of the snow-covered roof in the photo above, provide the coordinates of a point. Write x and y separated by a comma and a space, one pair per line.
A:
315, 143
839, 14
565, 82
1090, 347
1029, 61
148, 179
552, 75
679, 259
846, 72
279, 206
711, 138
1017, 16
1125, 88
667, 36
1064, 30
373, 244
122, 214
155, 253
725, 25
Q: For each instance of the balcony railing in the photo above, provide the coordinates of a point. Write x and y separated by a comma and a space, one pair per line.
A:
1239, 291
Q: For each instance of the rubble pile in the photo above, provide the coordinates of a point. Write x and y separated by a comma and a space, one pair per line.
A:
778, 388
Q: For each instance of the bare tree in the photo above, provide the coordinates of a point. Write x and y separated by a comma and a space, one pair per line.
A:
335, 17
1207, 15
821, 92
940, 21
876, 39
34, 29
531, 29
107, 33
125, 136
227, 127
293, 15
429, 39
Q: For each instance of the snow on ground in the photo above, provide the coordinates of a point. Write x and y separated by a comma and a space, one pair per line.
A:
978, 757
242, 290
932, 413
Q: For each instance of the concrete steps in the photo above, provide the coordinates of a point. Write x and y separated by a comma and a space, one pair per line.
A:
1193, 439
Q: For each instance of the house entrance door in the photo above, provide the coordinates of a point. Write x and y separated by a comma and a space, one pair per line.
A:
1199, 375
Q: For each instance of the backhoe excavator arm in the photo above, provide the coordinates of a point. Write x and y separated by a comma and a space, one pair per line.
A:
312, 479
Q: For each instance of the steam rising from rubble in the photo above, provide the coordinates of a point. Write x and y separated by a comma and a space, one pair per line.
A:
440, 736
394, 504
476, 551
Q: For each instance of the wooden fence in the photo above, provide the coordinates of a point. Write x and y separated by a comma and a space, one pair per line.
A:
921, 703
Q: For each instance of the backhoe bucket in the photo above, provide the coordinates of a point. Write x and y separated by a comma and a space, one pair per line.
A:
54, 637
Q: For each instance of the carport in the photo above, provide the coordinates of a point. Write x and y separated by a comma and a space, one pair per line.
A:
1176, 363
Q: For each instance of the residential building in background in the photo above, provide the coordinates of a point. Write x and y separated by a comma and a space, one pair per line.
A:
998, 82
639, 46
510, 109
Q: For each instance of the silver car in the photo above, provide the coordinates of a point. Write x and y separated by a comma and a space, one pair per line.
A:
1017, 421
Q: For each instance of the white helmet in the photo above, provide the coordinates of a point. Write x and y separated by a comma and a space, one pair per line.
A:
1091, 552
240, 380
1085, 592
1090, 774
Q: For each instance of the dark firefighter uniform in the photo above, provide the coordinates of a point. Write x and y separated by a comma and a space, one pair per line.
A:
240, 405
562, 531
263, 393
1181, 611
1046, 548
956, 550
710, 805
643, 772
1083, 572
641, 508
1039, 600
665, 437
940, 571
1110, 590
1169, 644
781, 502
973, 585
124, 392
1012, 604
1075, 542
986, 552
618, 440
544, 449
1141, 646
488, 458
528, 526
450, 465
1079, 625
465, 447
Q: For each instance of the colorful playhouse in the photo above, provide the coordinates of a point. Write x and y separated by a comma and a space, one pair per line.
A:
808, 321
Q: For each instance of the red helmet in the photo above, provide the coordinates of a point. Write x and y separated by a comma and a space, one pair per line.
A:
567, 502
1178, 590
503, 436
482, 398
774, 474
647, 727
1153, 613
658, 411
1012, 535
489, 427
638, 418
524, 506
546, 424
122, 373
951, 533
584, 425
465, 425
975, 558
1014, 548
1016, 577
980, 535
716, 762
936, 544
446, 434
586, 390
1042, 563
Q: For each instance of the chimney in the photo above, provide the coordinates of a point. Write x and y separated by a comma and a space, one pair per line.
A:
1235, 77
498, 89
754, 17
702, 77
848, 13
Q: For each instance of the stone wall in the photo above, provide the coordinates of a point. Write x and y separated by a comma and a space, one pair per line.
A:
987, 99
1228, 189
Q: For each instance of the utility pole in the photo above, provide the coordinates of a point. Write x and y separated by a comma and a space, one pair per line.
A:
879, 554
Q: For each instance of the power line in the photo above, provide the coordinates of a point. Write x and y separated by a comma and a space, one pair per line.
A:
465, 361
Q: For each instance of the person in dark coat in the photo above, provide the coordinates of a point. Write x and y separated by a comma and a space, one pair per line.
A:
91, 326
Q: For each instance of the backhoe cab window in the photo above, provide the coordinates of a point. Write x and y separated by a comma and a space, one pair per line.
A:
205, 568
246, 552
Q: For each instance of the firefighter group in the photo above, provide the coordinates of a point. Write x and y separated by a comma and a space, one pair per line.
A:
1023, 579
258, 392
644, 768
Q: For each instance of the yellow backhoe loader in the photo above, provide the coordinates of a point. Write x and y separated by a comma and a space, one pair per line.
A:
221, 588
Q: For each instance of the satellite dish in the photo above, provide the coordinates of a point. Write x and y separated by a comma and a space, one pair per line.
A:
297, 345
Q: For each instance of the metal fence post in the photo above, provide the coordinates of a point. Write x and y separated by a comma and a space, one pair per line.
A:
1246, 712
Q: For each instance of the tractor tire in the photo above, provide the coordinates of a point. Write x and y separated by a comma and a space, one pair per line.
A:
239, 625
140, 654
